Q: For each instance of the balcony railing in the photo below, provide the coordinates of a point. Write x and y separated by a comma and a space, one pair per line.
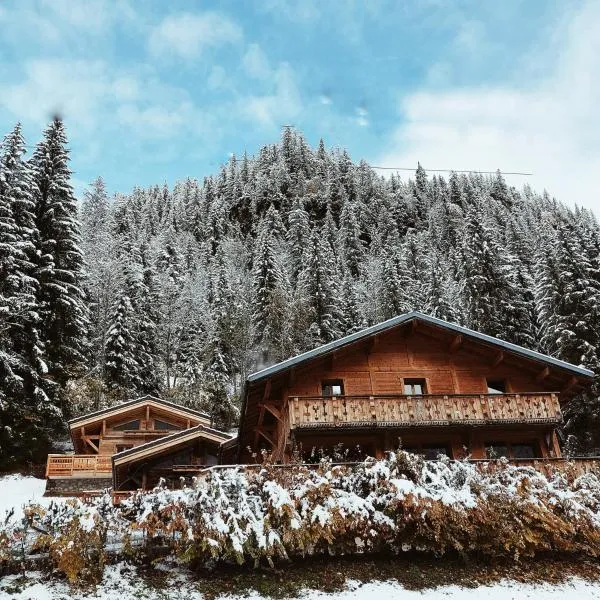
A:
78, 465
427, 410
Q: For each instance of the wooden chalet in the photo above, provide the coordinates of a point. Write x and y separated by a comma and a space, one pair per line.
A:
435, 387
133, 444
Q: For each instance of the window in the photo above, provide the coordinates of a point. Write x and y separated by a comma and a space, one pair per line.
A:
415, 387
432, 452
332, 387
496, 450
123, 447
129, 425
496, 386
500, 449
163, 425
523, 451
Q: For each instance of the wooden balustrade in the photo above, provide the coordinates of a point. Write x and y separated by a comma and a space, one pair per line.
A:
442, 409
84, 465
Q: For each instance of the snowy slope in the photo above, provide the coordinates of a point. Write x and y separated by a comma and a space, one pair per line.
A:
118, 584
17, 490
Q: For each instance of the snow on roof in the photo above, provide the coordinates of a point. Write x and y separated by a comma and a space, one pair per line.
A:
168, 439
141, 400
405, 318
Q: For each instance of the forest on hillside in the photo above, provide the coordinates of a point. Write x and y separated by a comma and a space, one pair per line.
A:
182, 292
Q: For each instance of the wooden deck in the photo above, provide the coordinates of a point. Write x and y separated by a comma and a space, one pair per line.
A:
427, 410
78, 465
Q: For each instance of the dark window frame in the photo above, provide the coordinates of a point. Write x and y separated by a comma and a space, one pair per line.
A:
536, 450
332, 383
122, 426
499, 386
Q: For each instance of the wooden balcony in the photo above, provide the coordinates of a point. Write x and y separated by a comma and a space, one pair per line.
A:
316, 412
78, 465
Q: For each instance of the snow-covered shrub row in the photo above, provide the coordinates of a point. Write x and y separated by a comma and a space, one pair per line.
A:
401, 503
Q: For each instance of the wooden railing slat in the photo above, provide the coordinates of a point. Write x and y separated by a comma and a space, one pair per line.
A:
319, 411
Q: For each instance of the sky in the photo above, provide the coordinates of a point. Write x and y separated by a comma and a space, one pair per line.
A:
155, 91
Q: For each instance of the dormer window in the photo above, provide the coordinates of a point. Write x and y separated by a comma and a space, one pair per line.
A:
415, 387
332, 387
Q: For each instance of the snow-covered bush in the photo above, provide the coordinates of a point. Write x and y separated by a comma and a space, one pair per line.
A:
270, 514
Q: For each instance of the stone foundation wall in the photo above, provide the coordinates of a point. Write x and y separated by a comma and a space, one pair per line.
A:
76, 486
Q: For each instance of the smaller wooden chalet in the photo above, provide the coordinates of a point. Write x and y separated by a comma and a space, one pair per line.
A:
437, 387
132, 445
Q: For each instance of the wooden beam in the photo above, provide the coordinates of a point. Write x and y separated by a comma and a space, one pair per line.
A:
291, 377
273, 410
543, 374
498, 359
569, 385
260, 431
267, 390
456, 344
87, 440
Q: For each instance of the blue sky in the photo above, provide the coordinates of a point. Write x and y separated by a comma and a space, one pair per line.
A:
158, 91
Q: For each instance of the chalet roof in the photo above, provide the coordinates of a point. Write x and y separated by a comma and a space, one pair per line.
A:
171, 440
132, 403
405, 318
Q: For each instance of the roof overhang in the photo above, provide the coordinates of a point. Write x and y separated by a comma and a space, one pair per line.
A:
125, 407
170, 441
411, 316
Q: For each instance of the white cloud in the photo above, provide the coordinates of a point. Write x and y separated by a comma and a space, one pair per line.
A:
548, 126
93, 98
256, 63
187, 35
272, 109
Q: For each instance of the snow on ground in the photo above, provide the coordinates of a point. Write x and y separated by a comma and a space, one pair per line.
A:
17, 491
122, 585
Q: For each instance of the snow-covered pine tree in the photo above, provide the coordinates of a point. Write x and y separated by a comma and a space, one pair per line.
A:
350, 243
27, 416
319, 287
64, 314
568, 300
494, 304
122, 369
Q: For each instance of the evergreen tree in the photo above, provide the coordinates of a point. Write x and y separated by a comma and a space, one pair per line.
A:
320, 292
63, 310
122, 368
27, 416
494, 303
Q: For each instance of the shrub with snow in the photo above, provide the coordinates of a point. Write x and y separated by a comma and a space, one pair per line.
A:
272, 514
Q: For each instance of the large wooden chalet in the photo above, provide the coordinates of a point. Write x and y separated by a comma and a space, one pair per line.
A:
430, 386
436, 387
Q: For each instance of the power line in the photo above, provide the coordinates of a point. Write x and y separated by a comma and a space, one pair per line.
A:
451, 170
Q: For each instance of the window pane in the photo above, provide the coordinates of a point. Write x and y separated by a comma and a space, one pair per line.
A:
523, 451
414, 387
129, 425
333, 387
496, 387
163, 425
496, 449
433, 452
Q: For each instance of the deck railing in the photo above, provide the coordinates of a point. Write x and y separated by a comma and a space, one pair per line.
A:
84, 465
432, 410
